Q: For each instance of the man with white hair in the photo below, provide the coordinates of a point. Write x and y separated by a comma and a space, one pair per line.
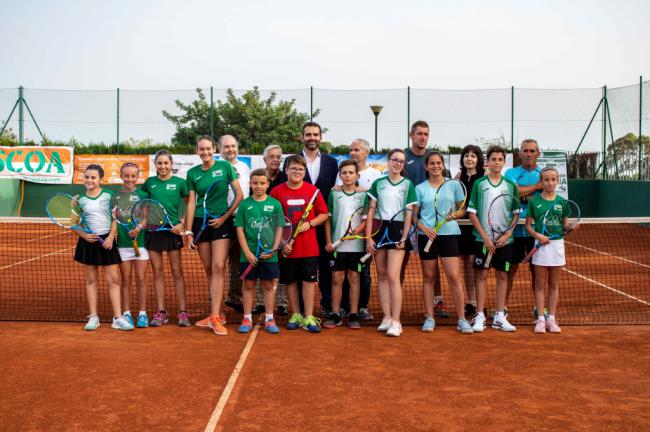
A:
228, 148
359, 152
272, 156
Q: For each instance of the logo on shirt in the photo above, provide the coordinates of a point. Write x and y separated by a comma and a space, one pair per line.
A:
249, 208
217, 173
268, 208
410, 162
198, 178
153, 186
171, 187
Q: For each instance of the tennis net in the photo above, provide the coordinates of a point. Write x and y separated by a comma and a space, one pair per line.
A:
606, 279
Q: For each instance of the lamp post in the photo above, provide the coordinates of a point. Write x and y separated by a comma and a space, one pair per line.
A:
376, 109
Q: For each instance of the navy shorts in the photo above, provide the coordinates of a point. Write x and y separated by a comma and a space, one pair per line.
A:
394, 233
162, 241
347, 261
262, 271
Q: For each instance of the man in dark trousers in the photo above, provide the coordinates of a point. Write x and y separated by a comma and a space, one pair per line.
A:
322, 170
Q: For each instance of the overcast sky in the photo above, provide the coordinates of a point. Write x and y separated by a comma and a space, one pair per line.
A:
335, 44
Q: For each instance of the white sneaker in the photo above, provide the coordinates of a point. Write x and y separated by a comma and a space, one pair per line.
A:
502, 324
385, 324
121, 324
479, 323
395, 329
93, 322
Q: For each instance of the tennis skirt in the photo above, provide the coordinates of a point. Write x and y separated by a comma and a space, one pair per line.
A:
550, 255
94, 254
395, 232
162, 241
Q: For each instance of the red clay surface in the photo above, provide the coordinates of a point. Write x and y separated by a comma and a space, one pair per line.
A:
57, 377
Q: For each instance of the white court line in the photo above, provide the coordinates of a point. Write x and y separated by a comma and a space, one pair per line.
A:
608, 254
225, 395
606, 287
35, 258
44, 237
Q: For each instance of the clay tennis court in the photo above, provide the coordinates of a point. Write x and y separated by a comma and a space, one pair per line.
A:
57, 377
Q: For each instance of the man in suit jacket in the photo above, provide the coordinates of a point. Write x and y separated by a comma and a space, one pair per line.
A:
322, 170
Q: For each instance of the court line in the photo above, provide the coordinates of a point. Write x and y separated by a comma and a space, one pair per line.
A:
608, 254
606, 286
225, 395
35, 258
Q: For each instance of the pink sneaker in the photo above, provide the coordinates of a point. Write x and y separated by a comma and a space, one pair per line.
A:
540, 326
552, 326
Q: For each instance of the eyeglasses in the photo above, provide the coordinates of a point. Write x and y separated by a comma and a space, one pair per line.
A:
296, 170
397, 161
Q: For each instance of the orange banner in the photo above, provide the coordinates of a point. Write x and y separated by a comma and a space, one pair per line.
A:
37, 164
111, 165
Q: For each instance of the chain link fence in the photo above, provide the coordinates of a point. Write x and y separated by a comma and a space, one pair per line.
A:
599, 128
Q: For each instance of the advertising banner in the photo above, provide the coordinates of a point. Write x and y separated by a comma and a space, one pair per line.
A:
111, 165
52, 165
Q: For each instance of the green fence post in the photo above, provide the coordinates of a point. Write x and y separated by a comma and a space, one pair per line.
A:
512, 119
311, 103
212, 111
640, 125
118, 117
408, 115
604, 132
21, 116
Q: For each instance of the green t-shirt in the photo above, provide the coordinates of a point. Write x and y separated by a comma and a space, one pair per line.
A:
123, 239
199, 180
250, 213
558, 209
341, 205
169, 193
483, 193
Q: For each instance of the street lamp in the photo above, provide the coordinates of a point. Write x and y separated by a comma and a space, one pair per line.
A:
376, 109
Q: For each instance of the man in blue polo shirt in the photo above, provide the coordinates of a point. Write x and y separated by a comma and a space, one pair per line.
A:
527, 178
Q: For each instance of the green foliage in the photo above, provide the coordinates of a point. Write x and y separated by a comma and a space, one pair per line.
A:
623, 156
255, 122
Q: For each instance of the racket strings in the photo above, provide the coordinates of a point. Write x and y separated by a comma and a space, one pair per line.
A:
149, 212
501, 214
65, 210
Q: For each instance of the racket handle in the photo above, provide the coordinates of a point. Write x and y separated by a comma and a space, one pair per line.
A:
198, 236
427, 247
365, 258
136, 249
337, 243
488, 260
530, 254
246, 272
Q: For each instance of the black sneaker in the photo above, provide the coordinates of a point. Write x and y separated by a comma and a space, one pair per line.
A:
283, 311
333, 322
237, 307
353, 321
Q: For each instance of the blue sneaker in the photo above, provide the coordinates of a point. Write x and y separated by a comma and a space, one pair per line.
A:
127, 316
143, 321
295, 322
311, 324
271, 326
246, 326
429, 324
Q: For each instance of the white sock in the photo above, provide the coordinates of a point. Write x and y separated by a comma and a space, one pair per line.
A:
551, 317
248, 317
268, 317
480, 314
498, 315
437, 299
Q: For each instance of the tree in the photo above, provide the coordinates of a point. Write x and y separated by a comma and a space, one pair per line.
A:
255, 122
623, 156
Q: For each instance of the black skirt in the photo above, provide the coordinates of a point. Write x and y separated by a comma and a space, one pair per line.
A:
94, 254
163, 241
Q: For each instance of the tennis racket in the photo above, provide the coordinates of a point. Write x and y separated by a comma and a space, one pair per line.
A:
121, 207
150, 215
273, 232
447, 208
303, 219
502, 217
553, 225
356, 229
64, 210
218, 199
394, 230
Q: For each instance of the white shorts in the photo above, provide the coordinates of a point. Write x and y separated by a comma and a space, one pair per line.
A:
550, 255
128, 254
